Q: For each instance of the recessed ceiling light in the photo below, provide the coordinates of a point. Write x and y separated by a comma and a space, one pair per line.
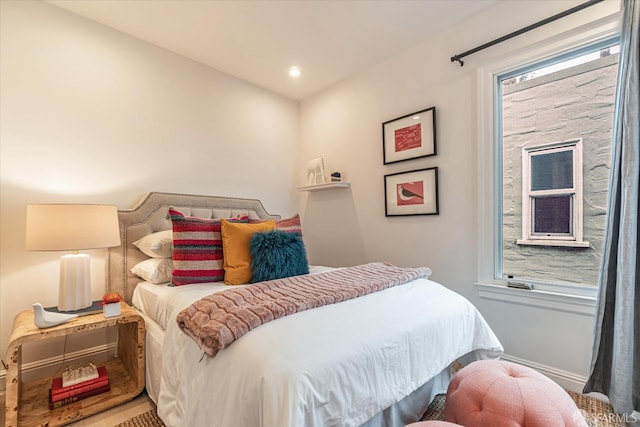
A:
294, 71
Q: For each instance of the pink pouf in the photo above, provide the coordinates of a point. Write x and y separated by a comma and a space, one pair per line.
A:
503, 394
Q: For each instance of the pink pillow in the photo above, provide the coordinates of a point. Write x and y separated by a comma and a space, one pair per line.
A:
292, 225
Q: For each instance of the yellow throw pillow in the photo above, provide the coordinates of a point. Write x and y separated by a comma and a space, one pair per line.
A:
235, 249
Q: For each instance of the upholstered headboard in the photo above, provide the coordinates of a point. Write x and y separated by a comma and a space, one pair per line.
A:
150, 215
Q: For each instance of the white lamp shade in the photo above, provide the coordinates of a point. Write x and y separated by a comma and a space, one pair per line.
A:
71, 227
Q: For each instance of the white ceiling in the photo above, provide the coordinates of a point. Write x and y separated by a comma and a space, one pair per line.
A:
258, 40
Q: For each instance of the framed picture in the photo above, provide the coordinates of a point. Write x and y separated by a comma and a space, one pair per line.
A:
411, 193
409, 137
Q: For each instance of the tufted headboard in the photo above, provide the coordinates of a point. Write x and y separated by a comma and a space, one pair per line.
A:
150, 215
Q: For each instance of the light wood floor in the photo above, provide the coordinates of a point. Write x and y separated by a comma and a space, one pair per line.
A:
108, 418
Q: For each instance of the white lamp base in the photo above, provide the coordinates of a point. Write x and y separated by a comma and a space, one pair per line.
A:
75, 282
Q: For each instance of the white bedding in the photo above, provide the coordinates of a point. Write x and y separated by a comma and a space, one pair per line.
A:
337, 365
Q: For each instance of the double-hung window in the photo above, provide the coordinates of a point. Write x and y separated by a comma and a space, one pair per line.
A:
554, 121
552, 195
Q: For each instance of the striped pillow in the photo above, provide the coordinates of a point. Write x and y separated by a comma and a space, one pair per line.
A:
292, 225
197, 248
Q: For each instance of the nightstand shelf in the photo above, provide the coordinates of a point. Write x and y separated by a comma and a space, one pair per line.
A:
27, 403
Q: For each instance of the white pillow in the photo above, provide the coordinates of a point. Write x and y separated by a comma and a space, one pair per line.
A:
156, 245
154, 270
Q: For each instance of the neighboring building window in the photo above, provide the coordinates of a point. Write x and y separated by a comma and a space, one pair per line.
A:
555, 121
552, 195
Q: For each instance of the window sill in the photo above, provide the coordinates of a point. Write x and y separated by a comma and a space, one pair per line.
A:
561, 243
576, 299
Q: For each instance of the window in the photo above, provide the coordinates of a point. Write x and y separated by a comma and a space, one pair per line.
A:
552, 195
553, 136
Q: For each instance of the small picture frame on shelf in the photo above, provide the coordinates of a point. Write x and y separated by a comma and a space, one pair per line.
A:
411, 193
409, 137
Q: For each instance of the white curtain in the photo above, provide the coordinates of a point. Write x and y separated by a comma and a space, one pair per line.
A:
615, 366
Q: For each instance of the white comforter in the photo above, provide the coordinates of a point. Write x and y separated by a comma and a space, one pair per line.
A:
337, 365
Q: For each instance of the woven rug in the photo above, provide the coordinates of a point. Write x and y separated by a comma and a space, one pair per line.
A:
596, 412
148, 419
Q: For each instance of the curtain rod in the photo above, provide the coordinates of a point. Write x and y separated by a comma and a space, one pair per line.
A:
459, 56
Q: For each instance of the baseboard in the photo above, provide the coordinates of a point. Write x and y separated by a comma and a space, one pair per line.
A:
52, 365
567, 380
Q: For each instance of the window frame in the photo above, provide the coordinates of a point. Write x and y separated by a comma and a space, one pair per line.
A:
575, 237
490, 284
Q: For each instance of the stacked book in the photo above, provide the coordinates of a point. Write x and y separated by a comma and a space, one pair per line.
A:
61, 393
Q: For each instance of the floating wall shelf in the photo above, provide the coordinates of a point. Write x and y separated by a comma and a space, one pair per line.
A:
329, 186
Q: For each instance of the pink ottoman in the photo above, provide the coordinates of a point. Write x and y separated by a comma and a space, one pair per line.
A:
500, 394
432, 424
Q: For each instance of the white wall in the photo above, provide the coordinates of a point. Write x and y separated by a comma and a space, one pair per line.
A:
348, 226
90, 115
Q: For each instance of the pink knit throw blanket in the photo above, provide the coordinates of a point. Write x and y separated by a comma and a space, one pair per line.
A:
217, 320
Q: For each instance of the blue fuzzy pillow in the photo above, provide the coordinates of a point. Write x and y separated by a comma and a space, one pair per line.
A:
277, 254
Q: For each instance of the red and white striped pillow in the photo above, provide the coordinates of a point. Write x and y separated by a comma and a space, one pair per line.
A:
197, 248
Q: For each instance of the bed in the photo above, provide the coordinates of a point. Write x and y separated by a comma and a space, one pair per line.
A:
375, 360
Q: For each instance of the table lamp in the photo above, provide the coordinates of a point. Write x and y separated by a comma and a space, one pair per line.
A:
61, 227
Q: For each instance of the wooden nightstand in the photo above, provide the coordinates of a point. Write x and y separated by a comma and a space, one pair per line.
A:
27, 403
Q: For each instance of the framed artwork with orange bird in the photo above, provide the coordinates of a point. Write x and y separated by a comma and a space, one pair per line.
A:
412, 193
